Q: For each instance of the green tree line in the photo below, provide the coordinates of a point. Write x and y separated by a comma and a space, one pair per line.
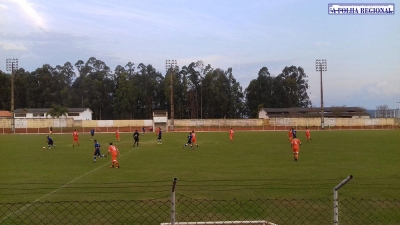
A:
134, 91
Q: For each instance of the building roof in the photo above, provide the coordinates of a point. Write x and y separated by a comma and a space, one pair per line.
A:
45, 110
315, 112
5, 113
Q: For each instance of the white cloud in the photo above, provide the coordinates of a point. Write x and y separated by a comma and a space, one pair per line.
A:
322, 44
382, 88
31, 13
13, 46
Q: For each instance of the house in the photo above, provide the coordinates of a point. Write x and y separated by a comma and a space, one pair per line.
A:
5, 114
333, 112
75, 113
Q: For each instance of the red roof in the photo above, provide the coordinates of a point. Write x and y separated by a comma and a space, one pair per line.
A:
4, 113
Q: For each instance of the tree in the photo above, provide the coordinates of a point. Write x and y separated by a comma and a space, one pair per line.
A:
382, 111
57, 111
295, 84
260, 92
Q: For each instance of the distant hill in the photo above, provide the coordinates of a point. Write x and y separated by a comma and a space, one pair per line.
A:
371, 113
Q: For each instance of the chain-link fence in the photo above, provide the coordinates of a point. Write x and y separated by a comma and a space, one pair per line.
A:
203, 211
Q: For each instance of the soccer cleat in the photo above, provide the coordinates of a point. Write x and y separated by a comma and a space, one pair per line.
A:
117, 167
112, 166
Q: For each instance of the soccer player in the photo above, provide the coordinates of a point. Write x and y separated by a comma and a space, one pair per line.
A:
76, 138
189, 141
194, 140
296, 147
144, 130
290, 135
308, 134
159, 135
92, 133
51, 130
294, 133
50, 142
136, 138
97, 151
117, 135
231, 134
114, 154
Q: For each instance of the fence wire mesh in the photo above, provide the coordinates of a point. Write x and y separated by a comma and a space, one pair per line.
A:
275, 211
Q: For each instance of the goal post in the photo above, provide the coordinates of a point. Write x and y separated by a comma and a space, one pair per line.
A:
254, 222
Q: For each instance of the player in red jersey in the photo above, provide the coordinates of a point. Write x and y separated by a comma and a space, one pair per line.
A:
117, 136
231, 134
194, 139
296, 147
290, 135
76, 138
308, 135
114, 154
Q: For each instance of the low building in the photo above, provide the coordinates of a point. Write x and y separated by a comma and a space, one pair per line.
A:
333, 112
75, 113
5, 114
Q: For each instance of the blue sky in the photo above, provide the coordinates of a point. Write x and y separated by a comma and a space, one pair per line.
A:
362, 51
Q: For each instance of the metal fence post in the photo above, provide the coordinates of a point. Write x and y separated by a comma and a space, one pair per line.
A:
336, 200
173, 201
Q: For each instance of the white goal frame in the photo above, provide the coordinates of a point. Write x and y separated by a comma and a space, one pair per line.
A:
260, 222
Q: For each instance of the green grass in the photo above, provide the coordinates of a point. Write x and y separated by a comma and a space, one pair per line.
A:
256, 165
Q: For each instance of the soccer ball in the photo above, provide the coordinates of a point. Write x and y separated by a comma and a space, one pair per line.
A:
44, 147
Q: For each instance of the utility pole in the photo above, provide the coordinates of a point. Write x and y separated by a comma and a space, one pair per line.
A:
171, 66
12, 65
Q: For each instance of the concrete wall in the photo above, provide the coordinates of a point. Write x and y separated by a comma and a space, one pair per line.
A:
311, 122
219, 122
334, 122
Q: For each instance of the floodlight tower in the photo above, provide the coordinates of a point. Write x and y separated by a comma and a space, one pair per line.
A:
171, 66
12, 65
321, 65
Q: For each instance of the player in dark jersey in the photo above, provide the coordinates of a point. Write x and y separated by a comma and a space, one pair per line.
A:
159, 136
189, 141
294, 133
136, 138
97, 151
50, 142
92, 133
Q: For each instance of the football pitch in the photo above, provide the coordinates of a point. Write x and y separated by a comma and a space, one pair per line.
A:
258, 165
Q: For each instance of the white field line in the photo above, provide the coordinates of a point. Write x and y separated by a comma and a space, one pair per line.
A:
52, 192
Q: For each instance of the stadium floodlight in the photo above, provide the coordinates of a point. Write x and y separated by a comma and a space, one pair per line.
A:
171, 66
12, 65
321, 65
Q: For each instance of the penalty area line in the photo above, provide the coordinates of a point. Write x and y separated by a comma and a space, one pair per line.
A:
20, 210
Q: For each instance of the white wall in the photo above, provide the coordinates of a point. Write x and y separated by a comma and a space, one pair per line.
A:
85, 115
